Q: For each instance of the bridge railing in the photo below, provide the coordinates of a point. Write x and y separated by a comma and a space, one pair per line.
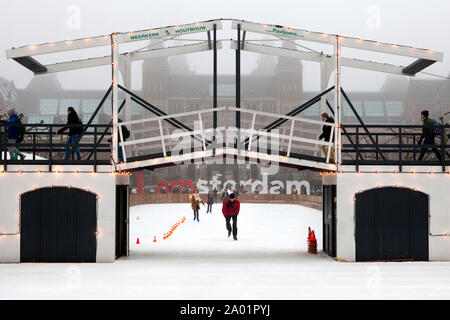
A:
394, 145
42, 145
286, 140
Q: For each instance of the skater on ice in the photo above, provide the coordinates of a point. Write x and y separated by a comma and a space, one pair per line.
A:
195, 203
225, 195
210, 201
230, 210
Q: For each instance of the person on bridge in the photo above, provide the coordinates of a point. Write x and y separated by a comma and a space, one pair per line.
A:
75, 129
14, 133
195, 203
326, 133
428, 135
230, 210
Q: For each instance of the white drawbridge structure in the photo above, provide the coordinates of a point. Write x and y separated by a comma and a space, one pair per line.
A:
262, 137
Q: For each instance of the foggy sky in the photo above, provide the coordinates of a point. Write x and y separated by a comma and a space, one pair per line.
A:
423, 24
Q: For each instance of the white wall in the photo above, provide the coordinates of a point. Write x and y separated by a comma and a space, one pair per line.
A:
13, 184
436, 186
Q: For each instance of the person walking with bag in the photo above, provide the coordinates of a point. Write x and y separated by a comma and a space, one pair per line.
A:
230, 210
195, 203
74, 133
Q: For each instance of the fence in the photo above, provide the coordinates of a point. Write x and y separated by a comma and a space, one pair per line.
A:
300, 199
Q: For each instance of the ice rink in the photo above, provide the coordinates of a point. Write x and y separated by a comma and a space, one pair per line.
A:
269, 261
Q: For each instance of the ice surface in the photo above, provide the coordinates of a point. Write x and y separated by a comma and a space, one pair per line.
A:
269, 261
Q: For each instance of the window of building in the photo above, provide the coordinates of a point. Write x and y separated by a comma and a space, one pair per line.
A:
223, 90
136, 109
374, 108
48, 106
394, 108
4, 92
90, 105
65, 103
312, 111
348, 112
87, 117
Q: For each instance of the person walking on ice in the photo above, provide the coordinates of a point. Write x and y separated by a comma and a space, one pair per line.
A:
210, 202
230, 210
195, 203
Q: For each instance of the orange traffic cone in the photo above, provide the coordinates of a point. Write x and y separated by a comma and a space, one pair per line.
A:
137, 241
154, 239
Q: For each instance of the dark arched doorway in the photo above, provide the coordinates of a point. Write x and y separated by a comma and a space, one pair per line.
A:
58, 224
391, 224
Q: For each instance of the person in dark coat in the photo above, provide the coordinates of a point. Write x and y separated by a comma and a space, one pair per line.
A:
326, 134
13, 134
210, 201
428, 135
74, 133
195, 204
125, 135
215, 195
230, 210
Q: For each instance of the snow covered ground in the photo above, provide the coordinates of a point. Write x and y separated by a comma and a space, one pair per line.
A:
269, 261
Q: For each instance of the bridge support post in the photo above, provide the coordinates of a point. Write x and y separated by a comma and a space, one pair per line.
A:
337, 101
214, 83
115, 96
238, 85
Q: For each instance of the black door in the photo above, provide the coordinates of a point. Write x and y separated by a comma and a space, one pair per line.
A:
391, 224
122, 216
329, 219
58, 225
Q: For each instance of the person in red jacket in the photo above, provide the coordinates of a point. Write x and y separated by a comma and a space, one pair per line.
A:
230, 210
